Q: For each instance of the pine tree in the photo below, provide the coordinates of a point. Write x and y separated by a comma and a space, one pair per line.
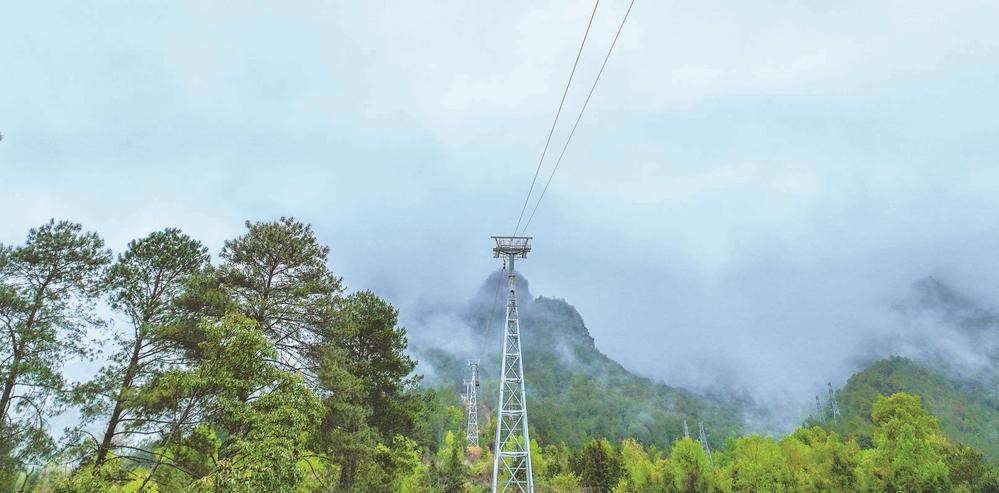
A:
144, 284
47, 291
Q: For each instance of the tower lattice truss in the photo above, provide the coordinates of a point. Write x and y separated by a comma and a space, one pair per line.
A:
512, 460
472, 407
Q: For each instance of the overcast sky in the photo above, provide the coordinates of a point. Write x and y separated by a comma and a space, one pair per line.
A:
752, 186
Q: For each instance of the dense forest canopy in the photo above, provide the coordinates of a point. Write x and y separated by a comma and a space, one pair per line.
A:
263, 372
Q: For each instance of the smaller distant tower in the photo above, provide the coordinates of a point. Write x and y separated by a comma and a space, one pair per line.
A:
686, 431
833, 405
818, 410
704, 441
471, 406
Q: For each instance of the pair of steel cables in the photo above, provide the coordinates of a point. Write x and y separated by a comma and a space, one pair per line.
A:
534, 181
551, 132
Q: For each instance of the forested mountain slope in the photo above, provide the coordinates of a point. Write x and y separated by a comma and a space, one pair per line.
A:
966, 411
575, 391
953, 341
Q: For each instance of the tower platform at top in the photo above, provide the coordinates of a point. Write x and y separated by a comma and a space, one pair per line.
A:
517, 246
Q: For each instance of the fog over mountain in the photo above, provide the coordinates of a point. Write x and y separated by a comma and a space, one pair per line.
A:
930, 322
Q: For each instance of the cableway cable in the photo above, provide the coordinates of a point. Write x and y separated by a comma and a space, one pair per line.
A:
557, 113
578, 118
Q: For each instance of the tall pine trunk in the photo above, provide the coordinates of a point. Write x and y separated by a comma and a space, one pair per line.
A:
8, 386
11, 381
119, 404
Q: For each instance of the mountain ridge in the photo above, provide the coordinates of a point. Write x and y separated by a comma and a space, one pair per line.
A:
957, 382
575, 392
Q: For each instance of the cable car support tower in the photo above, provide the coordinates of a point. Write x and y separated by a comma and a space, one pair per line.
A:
512, 460
472, 426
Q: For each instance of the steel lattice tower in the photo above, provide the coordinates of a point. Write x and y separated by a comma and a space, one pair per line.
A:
512, 462
703, 437
686, 431
833, 405
472, 407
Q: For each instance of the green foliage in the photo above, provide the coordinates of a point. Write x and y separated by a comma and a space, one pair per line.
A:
642, 473
276, 274
965, 409
448, 472
440, 412
908, 449
366, 336
558, 460
969, 471
254, 419
909, 455
364, 373
758, 465
47, 291
820, 461
112, 477
565, 482
598, 464
688, 468
539, 463
143, 285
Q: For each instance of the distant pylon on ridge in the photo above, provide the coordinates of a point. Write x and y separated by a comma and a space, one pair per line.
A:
686, 431
818, 409
833, 405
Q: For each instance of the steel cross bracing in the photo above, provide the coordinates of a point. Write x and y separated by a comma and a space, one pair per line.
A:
512, 461
472, 426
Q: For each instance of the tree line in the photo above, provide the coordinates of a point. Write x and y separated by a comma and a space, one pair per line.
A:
906, 453
255, 373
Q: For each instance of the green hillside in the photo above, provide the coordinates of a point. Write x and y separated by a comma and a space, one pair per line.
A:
964, 397
575, 391
967, 414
